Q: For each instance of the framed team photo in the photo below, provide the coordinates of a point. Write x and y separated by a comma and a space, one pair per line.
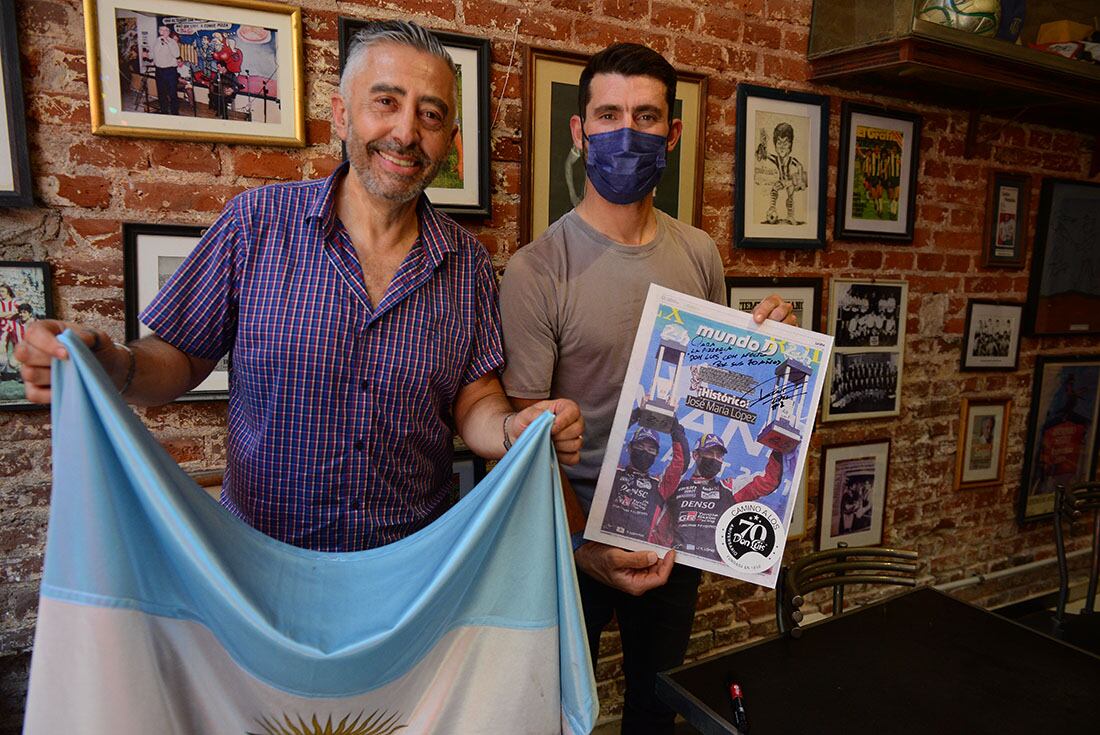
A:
1061, 430
151, 255
852, 504
1063, 296
554, 182
991, 337
782, 158
1005, 220
804, 294
983, 436
876, 188
462, 185
867, 319
228, 71
26, 295
15, 168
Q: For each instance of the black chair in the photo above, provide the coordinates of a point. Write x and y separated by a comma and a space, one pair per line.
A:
1081, 629
836, 568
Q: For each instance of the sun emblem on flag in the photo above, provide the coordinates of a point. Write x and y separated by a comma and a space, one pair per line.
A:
377, 723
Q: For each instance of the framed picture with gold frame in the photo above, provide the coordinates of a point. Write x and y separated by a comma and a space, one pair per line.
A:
229, 71
983, 436
555, 180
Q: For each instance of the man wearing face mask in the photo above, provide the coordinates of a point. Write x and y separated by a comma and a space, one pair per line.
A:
636, 495
570, 305
699, 501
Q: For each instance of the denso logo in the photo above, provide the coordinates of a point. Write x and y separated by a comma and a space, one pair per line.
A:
697, 504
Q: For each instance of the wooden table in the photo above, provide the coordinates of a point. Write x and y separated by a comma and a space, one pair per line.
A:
921, 662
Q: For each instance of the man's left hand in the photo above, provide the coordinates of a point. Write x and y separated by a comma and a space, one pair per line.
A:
567, 432
774, 307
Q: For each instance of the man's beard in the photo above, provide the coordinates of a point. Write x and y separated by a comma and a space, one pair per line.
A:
391, 187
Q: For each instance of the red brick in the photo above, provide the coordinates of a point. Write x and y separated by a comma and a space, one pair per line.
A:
84, 191
320, 25
835, 259
89, 273
699, 53
600, 35
795, 40
581, 6
936, 169
185, 157
743, 61
632, 10
319, 132
957, 263
1062, 161
153, 195
98, 232
267, 165
1017, 157
794, 69
110, 153
929, 262
721, 24
48, 109
434, 10
673, 17
42, 16
762, 34
867, 259
895, 261
966, 218
795, 11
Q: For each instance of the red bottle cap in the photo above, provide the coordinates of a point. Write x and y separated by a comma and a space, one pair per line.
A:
735, 691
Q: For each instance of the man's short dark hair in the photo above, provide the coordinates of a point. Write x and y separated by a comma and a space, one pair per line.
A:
630, 60
784, 130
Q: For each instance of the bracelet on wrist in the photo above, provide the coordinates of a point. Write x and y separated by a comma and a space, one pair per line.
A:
131, 367
507, 439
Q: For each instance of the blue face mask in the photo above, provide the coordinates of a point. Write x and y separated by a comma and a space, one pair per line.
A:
624, 165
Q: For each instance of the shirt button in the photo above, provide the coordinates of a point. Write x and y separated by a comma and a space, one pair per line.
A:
359, 445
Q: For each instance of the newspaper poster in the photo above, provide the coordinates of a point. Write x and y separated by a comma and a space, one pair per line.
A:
710, 437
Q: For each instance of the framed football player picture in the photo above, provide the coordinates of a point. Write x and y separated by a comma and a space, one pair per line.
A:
852, 504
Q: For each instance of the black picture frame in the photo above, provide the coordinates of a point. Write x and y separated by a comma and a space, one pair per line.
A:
151, 253
13, 135
481, 205
758, 108
982, 343
1063, 422
1006, 217
896, 122
31, 283
867, 528
791, 289
469, 469
1063, 295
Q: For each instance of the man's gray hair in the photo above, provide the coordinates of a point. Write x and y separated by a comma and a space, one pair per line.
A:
390, 31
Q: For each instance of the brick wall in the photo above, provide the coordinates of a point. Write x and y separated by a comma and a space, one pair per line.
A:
85, 186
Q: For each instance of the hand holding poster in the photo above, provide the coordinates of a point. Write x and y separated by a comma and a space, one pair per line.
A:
710, 437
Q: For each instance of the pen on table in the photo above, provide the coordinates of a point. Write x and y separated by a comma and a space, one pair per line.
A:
740, 719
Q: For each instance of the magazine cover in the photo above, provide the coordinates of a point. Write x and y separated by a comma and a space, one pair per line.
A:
710, 437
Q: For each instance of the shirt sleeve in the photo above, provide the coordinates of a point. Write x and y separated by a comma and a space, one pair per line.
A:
486, 349
196, 310
530, 340
716, 274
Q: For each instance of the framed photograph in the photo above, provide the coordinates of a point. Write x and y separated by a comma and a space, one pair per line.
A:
227, 71
26, 294
1063, 296
867, 318
15, 167
782, 157
1005, 220
876, 188
554, 183
983, 436
852, 504
803, 293
1061, 430
151, 254
462, 185
469, 470
991, 337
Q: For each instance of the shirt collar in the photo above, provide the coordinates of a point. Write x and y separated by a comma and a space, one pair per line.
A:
436, 230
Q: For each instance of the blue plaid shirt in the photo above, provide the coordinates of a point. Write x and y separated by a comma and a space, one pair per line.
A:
340, 420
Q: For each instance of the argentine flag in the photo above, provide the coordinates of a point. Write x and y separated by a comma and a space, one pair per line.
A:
161, 613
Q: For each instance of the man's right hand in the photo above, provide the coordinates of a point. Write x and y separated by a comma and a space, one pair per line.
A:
633, 572
41, 346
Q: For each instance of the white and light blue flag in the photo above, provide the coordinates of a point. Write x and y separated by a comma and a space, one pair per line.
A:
162, 613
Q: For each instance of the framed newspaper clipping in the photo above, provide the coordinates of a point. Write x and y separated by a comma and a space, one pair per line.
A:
710, 438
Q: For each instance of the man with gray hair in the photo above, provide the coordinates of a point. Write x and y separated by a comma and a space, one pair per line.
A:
363, 325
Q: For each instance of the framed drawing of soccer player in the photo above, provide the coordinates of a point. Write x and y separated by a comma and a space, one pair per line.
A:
804, 294
462, 185
980, 459
782, 157
26, 295
15, 169
151, 254
852, 503
554, 183
991, 337
1061, 430
876, 188
1063, 296
1005, 220
228, 71
868, 320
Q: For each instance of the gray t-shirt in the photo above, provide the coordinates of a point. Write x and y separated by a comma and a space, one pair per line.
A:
570, 303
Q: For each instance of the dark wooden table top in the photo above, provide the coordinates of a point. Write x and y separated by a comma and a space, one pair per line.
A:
921, 662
